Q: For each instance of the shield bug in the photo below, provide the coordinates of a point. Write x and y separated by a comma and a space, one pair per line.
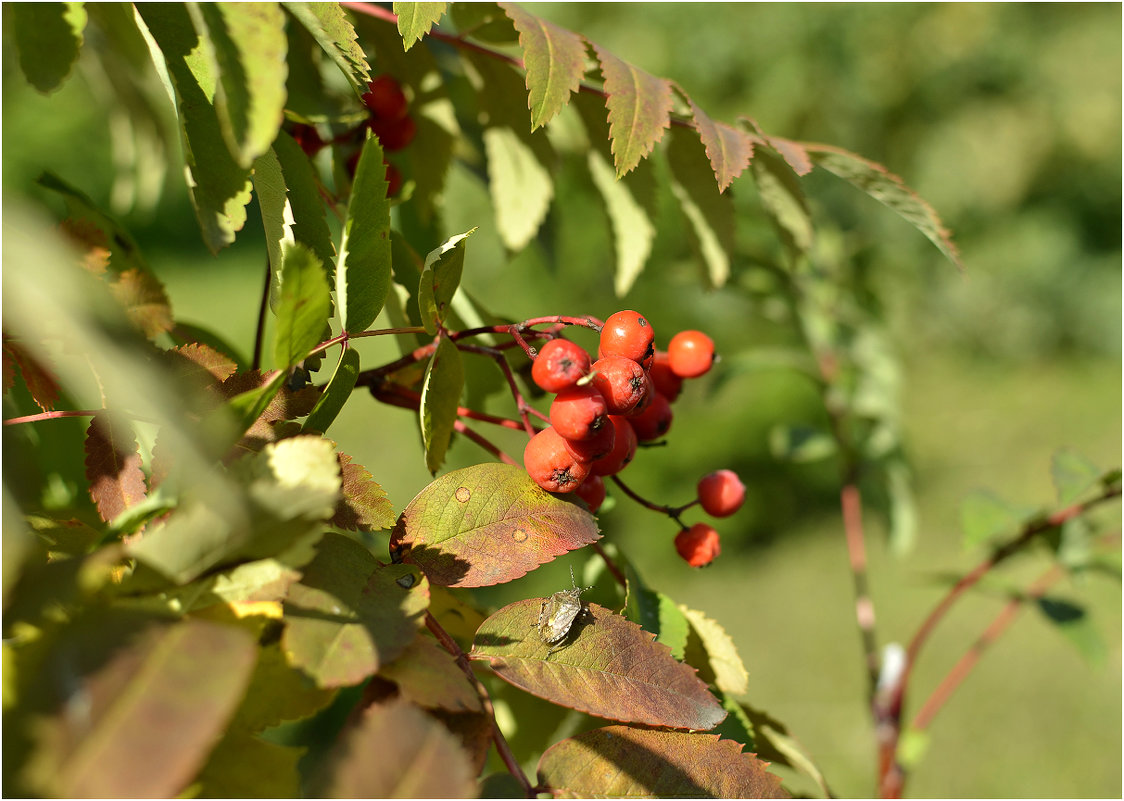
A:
558, 614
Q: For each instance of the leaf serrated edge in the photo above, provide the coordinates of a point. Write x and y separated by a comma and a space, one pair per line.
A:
625, 162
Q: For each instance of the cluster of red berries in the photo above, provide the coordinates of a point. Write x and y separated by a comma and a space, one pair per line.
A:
603, 409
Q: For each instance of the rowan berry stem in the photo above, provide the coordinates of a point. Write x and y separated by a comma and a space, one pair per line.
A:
671, 511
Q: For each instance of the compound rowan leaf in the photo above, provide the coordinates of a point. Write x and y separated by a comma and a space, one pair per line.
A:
729, 149
608, 666
888, 189
335, 394
363, 505
49, 38
417, 757
113, 466
349, 615
145, 301
363, 270
554, 59
622, 762
488, 524
37, 376
330, 27
639, 109
440, 399
303, 306
427, 675
415, 20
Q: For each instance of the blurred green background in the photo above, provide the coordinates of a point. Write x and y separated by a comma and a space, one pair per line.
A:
1007, 118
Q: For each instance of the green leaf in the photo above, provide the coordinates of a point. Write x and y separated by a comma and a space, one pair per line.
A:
633, 231
488, 524
250, 48
800, 444
655, 612
440, 398
730, 675
554, 59
440, 279
769, 739
729, 149
984, 517
278, 693
608, 666
1073, 475
521, 187
335, 394
783, 199
349, 615
624, 762
710, 214
245, 766
1073, 622
330, 27
363, 505
639, 109
427, 675
220, 188
363, 274
48, 37
486, 22
888, 189
903, 507
415, 20
302, 311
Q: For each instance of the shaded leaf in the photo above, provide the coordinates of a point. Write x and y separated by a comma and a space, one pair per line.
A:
487, 22
1073, 622
725, 663
348, 616
639, 109
417, 758
305, 208
48, 37
1073, 475
40, 381
655, 612
363, 270
440, 396
488, 524
633, 231
608, 667
335, 394
888, 189
441, 276
985, 516
622, 762
729, 149
800, 444
783, 199
415, 20
554, 59
710, 214
794, 153
770, 740
200, 363
278, 692
245, 766
303, 307
363, 505
330, 27
145, 301
427, 675
521, 187
113, 466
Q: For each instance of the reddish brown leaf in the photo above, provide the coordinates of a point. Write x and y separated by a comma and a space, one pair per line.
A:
90, 239
608, 666
728, 148
622, 762
427, 675
273, 423
639, 109
473, 729
113, 466
794, 153
363, 505
38, 378
145, 301
202, 363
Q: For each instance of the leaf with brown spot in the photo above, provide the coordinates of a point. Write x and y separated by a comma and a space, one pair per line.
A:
113, 466
607, 666
363, 505
40, 381
622, 762
488, 524
145, 301
639, 109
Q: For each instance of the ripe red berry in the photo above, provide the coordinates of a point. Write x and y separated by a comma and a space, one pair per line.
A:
578, 412
624, 448
597, 447
384, 97
698, 545
666, 382
393, 134
592, 491
653, 422
721, 493
308, 138
690, 353
621, 382
628, 334
559, 364
550, 465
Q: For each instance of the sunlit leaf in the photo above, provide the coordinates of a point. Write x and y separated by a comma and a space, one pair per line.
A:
655, 612
48, 37
608, 666
521, 187
440, 396
633, 231
113, 466
335, 394
363, 505
302, 310
363, 272
984, 517
330, 27
427, 675
622, 762
729, 149
639, 109
554, 59
415, 20
488, 524
730, 675
440, 278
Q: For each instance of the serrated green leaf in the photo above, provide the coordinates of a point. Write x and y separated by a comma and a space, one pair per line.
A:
800, 444
486, 21
655, 612
415, 20
729, 149
250, 49
335, 394
730, 675
331, 28
984, 517
363, 272
633, 231
440, 279
302, 310
710, 214
639, 109
554, 59
49, 38
440, 397
783, 199
1073, 622
521, 187
1073, 475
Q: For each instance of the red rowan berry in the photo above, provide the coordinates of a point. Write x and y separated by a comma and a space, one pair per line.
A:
559, 364
620, 381
308, 138
550, 465
384, 97
578, 412
590, 450
628, 334
624, 448
721, 493
592, 491
393, 134
698, 545
665, 381
653, 422
690, 353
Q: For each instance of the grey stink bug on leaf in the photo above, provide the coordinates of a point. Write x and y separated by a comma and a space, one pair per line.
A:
558, 614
